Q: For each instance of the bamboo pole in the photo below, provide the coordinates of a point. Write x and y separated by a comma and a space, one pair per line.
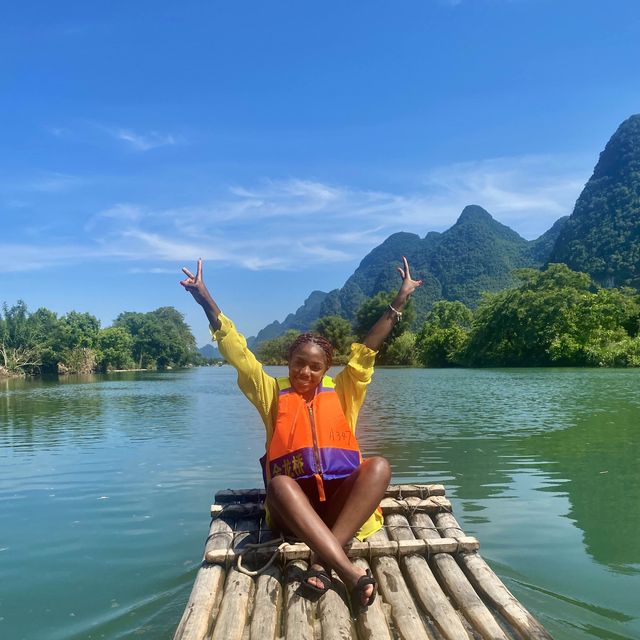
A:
425, 586
235, 606
432, 504
207, 588
457, 585
406, 618
267, 605
267, 602
226, 496
334, 614
367, 549
487, 582
238, 589
298, 610
372, 625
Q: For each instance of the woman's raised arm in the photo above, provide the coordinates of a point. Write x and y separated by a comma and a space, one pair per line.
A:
382, 328
196, 287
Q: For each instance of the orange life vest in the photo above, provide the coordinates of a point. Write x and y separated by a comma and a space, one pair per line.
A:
311, 440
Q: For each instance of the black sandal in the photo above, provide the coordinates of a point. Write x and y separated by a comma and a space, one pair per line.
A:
356, 594
321, 575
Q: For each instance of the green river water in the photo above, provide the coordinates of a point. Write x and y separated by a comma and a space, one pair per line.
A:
106, 482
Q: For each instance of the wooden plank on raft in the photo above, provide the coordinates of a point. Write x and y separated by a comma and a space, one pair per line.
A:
334, 615
432, 504
367, 549
238, 589
457, 585
267, 605
372, 625
489, 585
206, 593
267, 601
227, 496
425, 587
298, 610
407, 622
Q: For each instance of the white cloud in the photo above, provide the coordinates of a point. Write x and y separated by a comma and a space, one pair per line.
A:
51, 182
31, 257
293, 224
58, 132
144, 142
527, 193
155, 270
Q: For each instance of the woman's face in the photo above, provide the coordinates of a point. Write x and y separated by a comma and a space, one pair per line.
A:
307, 366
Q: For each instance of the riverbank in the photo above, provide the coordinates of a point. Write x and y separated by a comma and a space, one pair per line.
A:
5, 374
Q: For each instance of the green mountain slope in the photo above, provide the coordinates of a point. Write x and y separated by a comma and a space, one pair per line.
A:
602, 235
476, 254
302, 319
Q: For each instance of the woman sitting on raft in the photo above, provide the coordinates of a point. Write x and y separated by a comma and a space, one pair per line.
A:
319, 488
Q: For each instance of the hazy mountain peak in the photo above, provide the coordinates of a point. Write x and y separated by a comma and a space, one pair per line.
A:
474, 213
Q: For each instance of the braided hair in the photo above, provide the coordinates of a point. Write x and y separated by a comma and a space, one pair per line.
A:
313, 338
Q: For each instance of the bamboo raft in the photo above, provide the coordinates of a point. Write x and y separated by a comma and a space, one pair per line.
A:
432, 582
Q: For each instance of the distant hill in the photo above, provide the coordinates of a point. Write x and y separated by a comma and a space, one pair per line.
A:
602, 235
302, 319
476, 254
209, 352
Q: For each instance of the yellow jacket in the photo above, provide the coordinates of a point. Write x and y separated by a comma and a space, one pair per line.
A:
262, 389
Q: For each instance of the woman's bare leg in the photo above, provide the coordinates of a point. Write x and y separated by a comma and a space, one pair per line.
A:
291, 510
348, 510
352, 504
357, 498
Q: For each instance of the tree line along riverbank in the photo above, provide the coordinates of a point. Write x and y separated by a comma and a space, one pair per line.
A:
43, 342
553, 317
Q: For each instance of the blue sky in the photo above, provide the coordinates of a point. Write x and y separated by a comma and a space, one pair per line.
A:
282, 141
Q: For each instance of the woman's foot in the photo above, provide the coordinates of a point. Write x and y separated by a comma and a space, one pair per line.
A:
318, 578
362, 590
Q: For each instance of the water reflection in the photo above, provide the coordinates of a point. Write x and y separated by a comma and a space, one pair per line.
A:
41, 414
49, 412
476, 431
599, 457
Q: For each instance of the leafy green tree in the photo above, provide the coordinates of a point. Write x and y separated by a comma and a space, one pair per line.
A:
276, 350
139, 327
337, 331
402, 350
79, 330
600, 330
15, 328
371, 310
176, 345
115, 349
555, 316
45, 326
74, 342
161, 338
444, 334
442, 347
445, 314
19, 349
